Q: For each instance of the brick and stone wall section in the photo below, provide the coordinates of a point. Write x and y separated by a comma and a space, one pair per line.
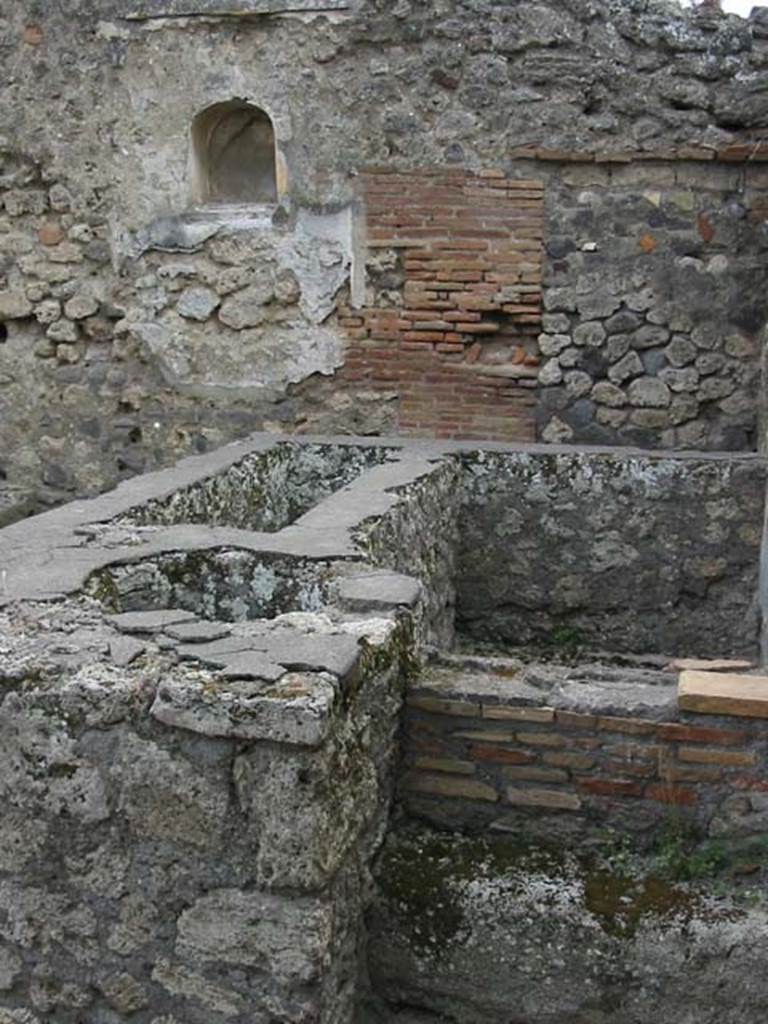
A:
477, 764
654, 290
453, 302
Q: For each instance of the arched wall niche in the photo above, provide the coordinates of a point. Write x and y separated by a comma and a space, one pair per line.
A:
235, 157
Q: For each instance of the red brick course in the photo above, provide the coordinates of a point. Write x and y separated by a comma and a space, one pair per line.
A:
593, 766
457, 342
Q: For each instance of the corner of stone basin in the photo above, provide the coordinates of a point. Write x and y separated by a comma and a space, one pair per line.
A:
298, 710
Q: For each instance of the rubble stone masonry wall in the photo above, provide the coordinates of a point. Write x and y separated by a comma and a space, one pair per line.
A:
137, 326
644, 553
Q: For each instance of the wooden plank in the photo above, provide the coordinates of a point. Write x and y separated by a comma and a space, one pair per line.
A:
714, 693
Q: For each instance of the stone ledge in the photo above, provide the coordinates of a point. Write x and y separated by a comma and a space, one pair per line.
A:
736, 153
723, 694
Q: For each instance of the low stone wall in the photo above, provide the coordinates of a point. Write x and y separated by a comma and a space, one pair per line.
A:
179, 842
635, 552
419, 535
201, 686
465, 931
567, 753
198, 730
554, 859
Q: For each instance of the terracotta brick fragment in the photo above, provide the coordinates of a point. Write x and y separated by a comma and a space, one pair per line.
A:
541, 739
667, 794
630, 726
706, 230
33, 35
672, 772
51, 233
610, 787
756, 783
566, 759
437, 706
636, 769
728, 758
552, 799
572, 720
694, 734
448, 786
647, 243
535, 773
500, 712
498, 755
486, 735
444, 764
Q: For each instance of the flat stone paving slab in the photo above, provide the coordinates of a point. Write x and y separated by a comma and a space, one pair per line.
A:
197, 632
378, 591
714, 693
259, 656
149, 622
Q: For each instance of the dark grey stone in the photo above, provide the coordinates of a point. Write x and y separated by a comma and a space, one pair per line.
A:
197, 631
378, 591
622, 322
123, 650
150, 621
650, 336
653, 360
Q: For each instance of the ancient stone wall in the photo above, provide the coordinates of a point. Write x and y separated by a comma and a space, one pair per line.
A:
626, 552
138, 326
201, 678
574, 843
148, 869
654, 305
199, 739
465, 929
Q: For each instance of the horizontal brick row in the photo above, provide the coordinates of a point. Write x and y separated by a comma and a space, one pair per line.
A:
542, 758
734, 153
470, 255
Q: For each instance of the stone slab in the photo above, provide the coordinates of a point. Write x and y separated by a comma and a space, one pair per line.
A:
124, 649
251, 665
235, 8
337, 653
198, 632
149, 622
378, 591
446, 683
711, 693
627, 698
